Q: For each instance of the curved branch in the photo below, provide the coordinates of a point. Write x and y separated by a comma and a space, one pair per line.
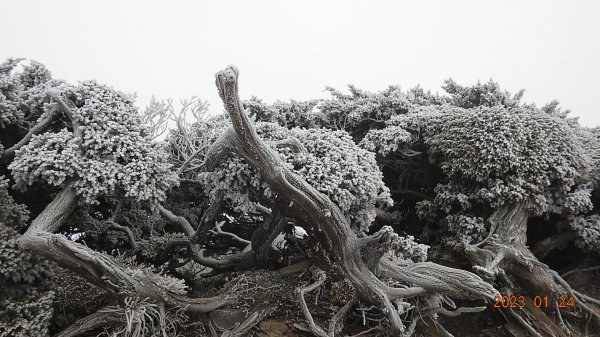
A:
67, 107
241, 260
453, 313
96, 320
43, 122
580, 271
115, 226
247, 324
265, 234
182, 222
219, 230
326, 224
99, 268
340, 315
208, 218
221, 149
440, 279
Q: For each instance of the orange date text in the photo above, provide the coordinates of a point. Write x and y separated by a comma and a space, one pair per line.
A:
519, 302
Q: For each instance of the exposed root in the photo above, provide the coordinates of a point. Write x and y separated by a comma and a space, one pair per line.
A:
577, 296
524, 323
561, 322
335, 247
453, 313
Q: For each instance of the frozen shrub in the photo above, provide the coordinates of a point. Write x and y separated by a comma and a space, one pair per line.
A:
113, 155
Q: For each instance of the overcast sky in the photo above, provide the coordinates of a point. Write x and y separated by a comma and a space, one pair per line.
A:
293, 49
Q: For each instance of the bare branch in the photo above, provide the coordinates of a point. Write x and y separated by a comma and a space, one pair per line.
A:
248, 323
241, 260
98, 319
178, 220
156, 116
208, 218
99, 268
340, 315
582, 270
43, 122
115, 226
219, 230
316, 329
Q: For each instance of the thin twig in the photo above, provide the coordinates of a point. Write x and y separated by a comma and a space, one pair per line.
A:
219, 230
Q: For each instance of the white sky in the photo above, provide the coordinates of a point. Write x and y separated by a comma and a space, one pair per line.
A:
293, 49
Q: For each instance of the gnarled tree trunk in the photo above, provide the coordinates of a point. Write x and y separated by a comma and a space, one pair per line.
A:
334, 246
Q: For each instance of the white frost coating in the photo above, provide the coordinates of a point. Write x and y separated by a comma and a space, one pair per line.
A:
588, 232
113, 156
299, 232
333, 164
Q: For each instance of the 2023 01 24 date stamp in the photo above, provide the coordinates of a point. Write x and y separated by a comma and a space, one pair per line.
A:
520, 302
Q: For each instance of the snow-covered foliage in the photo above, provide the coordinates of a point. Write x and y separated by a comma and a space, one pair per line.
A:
150, 248
25, 309
12, 214
587, 229
28, 316
333, 164
113, 155
17, 266
356, 112
498, 156
487, 94
590, 140
406, 248
492, 150
9, 94
495, 155
22, 92
301, 114
385, 141
348, 112
466, 229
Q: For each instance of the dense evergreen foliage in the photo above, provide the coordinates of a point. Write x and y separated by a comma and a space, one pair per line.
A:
452, 198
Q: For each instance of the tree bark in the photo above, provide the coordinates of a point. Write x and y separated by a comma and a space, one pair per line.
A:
335, 248
334, 243
98, 268
511, 223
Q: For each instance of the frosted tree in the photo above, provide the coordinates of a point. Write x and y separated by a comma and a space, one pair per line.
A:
399, 209
502, 164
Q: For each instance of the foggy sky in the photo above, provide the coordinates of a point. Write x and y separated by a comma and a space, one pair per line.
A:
293, 49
